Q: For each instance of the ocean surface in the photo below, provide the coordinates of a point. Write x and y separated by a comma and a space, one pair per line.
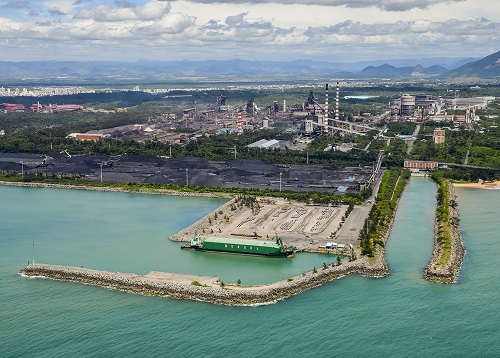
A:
399, 316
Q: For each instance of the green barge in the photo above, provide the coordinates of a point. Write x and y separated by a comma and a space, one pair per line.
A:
241, 246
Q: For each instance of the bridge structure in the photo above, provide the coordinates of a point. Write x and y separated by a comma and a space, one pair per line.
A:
344, 126
466, 166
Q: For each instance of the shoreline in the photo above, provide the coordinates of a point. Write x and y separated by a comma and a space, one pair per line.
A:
114, 189
178, 286
481, 185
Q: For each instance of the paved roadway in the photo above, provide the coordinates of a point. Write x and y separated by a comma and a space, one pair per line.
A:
349, 233
410, 143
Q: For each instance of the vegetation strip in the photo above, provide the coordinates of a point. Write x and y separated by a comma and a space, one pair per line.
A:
448, 252
378, 225
34, 180
218, 293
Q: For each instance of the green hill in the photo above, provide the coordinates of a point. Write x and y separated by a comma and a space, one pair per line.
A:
488, 67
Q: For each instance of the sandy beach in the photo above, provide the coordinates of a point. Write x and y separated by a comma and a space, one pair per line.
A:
481, 185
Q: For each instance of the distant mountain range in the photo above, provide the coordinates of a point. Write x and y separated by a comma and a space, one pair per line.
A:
486, 68
96, 72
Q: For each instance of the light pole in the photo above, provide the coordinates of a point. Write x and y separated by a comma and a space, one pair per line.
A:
101, 172
22, 169
187, 178
280, 181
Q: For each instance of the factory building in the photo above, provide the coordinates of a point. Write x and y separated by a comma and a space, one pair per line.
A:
13, 107
85, 136
407, 105
420, 164
464, 103
438, 136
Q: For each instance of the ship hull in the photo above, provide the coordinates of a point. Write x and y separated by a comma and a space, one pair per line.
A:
281, 254
241, 247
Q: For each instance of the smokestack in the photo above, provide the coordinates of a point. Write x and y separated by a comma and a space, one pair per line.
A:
240, 127
337, 104
326, 121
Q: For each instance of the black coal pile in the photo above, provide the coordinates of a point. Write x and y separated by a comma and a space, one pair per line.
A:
10, 167
137, 158
187, 163
255, 166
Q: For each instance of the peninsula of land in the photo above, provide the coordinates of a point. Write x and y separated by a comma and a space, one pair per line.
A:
448, 252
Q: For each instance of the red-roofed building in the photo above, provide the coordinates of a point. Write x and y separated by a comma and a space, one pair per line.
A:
92, 137
420, 164
14, 107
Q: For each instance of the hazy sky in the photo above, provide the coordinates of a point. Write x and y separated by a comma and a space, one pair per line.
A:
332, 30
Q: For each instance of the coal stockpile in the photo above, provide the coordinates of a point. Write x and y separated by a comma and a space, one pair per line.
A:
255, 166
204, 178
141, 158
71, 168
18, 162
192, 171
10, 166
157, 179
306, 175
187, 163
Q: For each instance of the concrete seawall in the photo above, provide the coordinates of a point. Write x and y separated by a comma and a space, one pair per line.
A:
179, 286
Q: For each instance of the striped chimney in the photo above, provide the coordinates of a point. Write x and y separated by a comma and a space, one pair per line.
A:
326, 120
337, 104
240, 122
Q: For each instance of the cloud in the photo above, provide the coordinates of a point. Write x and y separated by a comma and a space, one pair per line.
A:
182, 29
241, 21
44, 23
124, 4
65, 6
388, 5
79, 2
56, 12
152, 10
172, 24
16, 5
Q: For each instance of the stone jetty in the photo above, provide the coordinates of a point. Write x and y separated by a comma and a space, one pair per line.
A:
202, 288
449, 271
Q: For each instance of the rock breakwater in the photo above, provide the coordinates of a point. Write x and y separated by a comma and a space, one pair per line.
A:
446, 272
207, 289
116, 189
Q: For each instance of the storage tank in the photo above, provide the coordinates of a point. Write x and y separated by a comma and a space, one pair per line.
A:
407, 105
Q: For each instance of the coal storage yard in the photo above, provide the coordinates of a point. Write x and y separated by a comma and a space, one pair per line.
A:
192, 171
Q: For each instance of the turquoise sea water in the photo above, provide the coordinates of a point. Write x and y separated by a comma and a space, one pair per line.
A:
399, 316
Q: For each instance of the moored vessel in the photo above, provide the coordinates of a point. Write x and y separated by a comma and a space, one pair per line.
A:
241, 246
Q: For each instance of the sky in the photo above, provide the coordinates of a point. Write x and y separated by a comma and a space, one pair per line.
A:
279, 30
